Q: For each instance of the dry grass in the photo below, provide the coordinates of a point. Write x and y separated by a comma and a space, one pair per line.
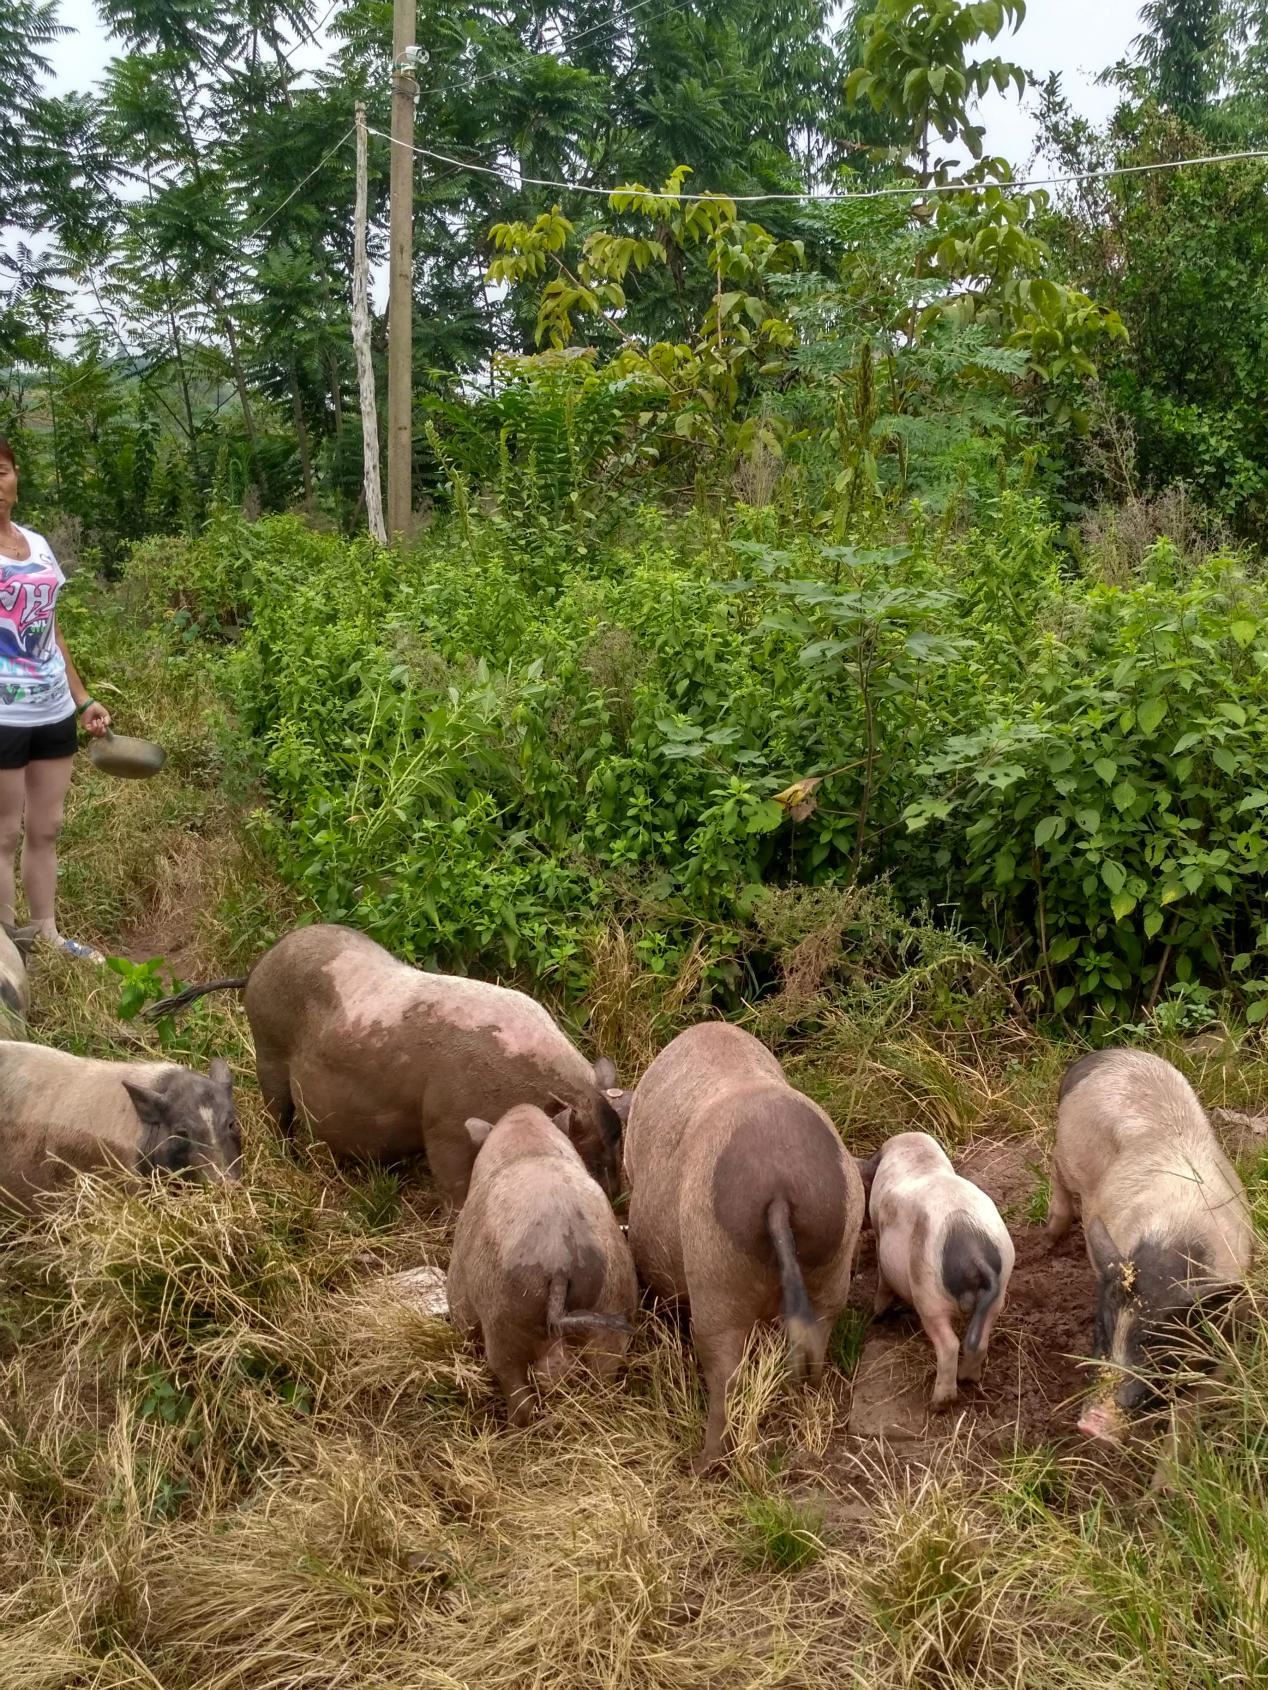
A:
633, 1011
234, 1455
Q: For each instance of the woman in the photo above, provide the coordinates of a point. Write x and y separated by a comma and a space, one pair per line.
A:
41, 698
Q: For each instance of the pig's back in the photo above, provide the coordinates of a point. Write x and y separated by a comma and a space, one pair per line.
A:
757, 1144
329, 987
60, 1112
537, 1216
1135, 1143
692, 1077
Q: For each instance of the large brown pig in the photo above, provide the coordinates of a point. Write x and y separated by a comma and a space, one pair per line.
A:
61, 1113
383, 1060
1165, 1219
540, 1269
942, 1247
743, 1202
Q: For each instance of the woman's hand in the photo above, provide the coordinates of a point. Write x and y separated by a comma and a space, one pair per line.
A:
96, 720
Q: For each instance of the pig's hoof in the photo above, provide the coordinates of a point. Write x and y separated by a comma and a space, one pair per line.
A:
704, 1463
938, 1404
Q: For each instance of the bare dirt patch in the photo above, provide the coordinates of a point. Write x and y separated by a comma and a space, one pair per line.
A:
1034, 1376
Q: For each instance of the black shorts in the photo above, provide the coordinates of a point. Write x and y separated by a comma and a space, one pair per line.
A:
20, 746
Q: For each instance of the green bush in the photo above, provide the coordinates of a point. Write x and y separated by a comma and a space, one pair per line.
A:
484, 748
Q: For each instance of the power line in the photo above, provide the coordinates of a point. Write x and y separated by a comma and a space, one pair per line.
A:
282, 204
828, 196
330, 12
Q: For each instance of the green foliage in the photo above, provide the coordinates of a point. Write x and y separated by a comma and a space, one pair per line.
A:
142, 984
778, 1534
1110, 795
482, 749
915, 66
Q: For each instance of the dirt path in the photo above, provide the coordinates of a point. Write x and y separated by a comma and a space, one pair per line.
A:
172, 938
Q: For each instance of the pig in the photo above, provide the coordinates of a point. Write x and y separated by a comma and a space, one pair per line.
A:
743, 1204
540, 1270
60, 1114
942, 1247
384, 1061
1165, 1221
14, 996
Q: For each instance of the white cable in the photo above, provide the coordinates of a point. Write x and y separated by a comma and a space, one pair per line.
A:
827, 195
282, 204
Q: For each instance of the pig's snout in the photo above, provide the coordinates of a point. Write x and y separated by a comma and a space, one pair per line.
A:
1102, 1421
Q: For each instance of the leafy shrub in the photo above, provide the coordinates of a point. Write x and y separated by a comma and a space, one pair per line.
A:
483, 752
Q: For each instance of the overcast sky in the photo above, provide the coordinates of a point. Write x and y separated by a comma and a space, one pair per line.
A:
1076, 37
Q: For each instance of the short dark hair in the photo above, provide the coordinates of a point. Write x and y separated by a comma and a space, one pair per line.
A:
6, 451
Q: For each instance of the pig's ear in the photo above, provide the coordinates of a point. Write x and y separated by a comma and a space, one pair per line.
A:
1101, 1247
478, 1130
221, 1075
605, 1074
151, 1109
563, 1118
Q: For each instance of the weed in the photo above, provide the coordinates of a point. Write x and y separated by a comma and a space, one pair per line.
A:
375, 1199
849, 1335
779, 1534
1036, 1210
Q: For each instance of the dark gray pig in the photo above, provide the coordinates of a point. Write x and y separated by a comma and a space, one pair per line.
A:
941, 1247
60, 1114
743, 1203
384, 1061
540, 1270
1165, 1221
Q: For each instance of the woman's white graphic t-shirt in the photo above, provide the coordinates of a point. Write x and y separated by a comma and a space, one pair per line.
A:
34, 691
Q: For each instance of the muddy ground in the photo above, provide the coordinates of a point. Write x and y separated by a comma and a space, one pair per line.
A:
1034, 1376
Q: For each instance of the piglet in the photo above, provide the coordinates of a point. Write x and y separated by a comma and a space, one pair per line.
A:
540, 1270
940, 1246
1165, 1221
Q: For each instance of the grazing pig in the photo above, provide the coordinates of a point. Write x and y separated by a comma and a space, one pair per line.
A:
1165, 1219
14, 999
61, 1113
540, 1269
384, 1060
941, 1247
743, 1202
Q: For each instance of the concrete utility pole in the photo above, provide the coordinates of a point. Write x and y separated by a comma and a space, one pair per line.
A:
361, 343
400, 307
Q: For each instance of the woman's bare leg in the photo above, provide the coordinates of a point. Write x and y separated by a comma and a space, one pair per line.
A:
47, 783
12, 803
